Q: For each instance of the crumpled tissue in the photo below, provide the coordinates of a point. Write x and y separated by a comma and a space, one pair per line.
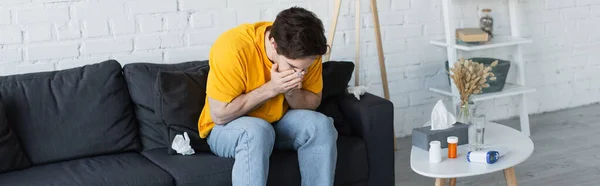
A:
440, 117
357, 91
181, 144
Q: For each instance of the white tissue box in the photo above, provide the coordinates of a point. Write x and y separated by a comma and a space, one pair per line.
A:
422, 136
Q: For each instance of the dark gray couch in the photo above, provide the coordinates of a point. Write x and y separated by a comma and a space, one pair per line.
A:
95, 125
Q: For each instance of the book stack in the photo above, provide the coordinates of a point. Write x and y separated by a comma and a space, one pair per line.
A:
471, 36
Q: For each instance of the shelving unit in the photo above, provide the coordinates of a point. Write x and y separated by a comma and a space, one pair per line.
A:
500, 41
509, 90
514, 40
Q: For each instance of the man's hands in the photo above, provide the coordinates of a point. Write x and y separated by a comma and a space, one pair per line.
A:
286, 81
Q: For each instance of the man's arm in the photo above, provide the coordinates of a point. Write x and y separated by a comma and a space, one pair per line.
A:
303, 99
222, 112
308, 94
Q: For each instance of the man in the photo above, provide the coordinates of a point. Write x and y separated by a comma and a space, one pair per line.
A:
264, 83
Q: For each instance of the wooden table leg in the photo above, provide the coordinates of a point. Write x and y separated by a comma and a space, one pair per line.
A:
440, 181
452, 181
509, 176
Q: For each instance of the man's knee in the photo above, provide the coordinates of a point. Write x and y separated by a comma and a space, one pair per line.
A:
321, 126
258, 131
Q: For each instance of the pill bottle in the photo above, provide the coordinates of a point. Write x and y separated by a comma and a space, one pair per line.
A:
452, 146
435, 152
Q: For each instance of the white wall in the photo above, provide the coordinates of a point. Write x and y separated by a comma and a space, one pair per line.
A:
563, 61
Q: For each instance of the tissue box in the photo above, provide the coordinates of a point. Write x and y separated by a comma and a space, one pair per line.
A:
422, 136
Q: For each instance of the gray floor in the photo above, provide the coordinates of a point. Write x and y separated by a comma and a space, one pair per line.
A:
566, 152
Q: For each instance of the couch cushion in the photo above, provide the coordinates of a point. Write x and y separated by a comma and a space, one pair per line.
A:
201, 168
71, 113
208, 169
336, 76
12, 156
331, 109
118, 169
141, 80
180, 100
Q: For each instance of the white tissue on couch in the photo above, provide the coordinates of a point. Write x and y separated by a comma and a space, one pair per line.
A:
181, 144
357, 91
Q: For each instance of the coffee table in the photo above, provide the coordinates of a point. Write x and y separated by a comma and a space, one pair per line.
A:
519, 146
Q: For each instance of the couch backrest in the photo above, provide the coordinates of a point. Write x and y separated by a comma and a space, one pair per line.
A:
141, 80
72, 113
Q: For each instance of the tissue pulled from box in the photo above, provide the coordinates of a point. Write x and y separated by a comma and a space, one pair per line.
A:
440, 117
357, 91
181, 144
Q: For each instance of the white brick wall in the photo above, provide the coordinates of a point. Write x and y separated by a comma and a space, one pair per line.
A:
4, 16
95, 28
38, 33
150, 23
43, 35
10, 55
41, 14
52, 51
151, 6
98, 10
107, 46
10, 34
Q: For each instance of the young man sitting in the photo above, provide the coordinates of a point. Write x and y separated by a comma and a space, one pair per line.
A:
264, 83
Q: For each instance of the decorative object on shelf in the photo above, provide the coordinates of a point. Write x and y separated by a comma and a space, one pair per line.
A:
477, 132
500, 71
486, 22
470, 78
471, 36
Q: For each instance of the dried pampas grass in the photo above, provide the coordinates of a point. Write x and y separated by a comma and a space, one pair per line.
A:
471, 77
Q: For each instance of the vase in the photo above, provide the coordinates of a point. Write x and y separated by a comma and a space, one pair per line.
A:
477, 133
465, 112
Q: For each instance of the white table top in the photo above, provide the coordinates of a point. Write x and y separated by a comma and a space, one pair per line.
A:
519, 147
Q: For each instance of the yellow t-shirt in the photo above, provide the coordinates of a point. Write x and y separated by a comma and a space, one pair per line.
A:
239, 64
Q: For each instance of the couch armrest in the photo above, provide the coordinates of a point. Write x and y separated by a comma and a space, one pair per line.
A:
372, 118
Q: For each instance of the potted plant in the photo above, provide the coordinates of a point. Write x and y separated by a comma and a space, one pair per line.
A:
470, 78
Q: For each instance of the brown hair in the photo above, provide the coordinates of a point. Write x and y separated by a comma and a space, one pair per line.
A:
298, 33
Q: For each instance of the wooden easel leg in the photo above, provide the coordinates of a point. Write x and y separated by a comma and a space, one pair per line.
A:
357, 45
336, 15
384, 81
382, 68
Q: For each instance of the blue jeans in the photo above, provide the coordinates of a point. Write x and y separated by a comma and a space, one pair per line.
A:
251, 140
